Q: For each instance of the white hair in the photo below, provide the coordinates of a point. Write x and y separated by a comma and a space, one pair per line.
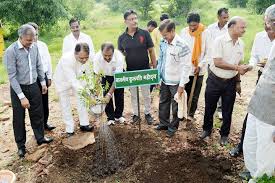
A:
270, 12
26, 29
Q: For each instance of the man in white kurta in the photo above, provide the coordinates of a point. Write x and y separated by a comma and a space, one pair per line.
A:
75, 37
199, 67
259, 140
69, 68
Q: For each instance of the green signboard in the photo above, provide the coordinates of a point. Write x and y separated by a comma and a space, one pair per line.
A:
136, 78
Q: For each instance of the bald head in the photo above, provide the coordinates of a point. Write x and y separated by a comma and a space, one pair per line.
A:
234, 20
237, 26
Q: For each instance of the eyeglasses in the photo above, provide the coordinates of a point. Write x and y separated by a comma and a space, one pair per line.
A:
270, 23
74, 27
131, 19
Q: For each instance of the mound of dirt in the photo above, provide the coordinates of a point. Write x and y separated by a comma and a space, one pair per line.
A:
141, 159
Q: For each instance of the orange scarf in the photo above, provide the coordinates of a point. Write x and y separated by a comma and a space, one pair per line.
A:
197, 45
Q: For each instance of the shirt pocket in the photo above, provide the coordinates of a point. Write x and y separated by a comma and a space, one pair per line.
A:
174, 57
22, 60
239, 56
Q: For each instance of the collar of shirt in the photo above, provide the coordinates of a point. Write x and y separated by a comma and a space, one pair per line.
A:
173, 42
126, 31
80, 36
103, 60
229, 39
20, 46
217, 26
265, 35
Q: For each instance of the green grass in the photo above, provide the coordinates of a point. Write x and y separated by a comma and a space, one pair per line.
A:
3, 74
103, 25
266, 179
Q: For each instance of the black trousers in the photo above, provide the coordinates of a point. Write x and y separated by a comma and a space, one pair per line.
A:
119, 100
216, 88
197, 91
33, 94
240, 145
167, 93
45, 100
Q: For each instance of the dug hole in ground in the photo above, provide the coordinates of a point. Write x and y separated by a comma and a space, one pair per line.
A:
148, 156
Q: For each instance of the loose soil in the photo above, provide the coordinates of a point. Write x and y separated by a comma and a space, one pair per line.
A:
142, 160
147, 158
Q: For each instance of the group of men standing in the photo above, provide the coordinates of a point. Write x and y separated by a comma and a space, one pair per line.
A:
182, 61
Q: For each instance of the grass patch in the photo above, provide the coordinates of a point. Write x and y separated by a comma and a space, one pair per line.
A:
103, 25
266, 179
217, 124
3, 73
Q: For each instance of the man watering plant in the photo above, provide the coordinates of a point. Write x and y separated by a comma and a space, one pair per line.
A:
107, 62
70, 67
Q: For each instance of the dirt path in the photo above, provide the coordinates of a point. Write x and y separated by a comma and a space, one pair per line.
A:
183, 156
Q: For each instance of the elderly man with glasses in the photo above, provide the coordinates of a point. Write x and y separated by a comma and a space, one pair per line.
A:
24, 66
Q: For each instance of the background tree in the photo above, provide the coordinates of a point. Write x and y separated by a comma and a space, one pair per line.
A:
79, 8
42, 12
118, 5
237, 3
259, 6
178, 8
144, 7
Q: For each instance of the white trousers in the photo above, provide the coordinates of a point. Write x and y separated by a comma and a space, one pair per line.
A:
145, 91
259, 148
65, 104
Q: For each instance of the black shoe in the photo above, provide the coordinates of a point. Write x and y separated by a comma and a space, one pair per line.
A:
21, 152
45, 140
161, 128
135, 119
235, 152
170, 134
149, 119
205, 134
87, 128
49, 127
245, 175
224, 141
69, 134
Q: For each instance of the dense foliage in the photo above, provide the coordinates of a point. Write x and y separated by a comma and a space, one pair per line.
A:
256, 6
43, 12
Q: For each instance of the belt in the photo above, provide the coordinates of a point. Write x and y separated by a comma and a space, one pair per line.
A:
218, 78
